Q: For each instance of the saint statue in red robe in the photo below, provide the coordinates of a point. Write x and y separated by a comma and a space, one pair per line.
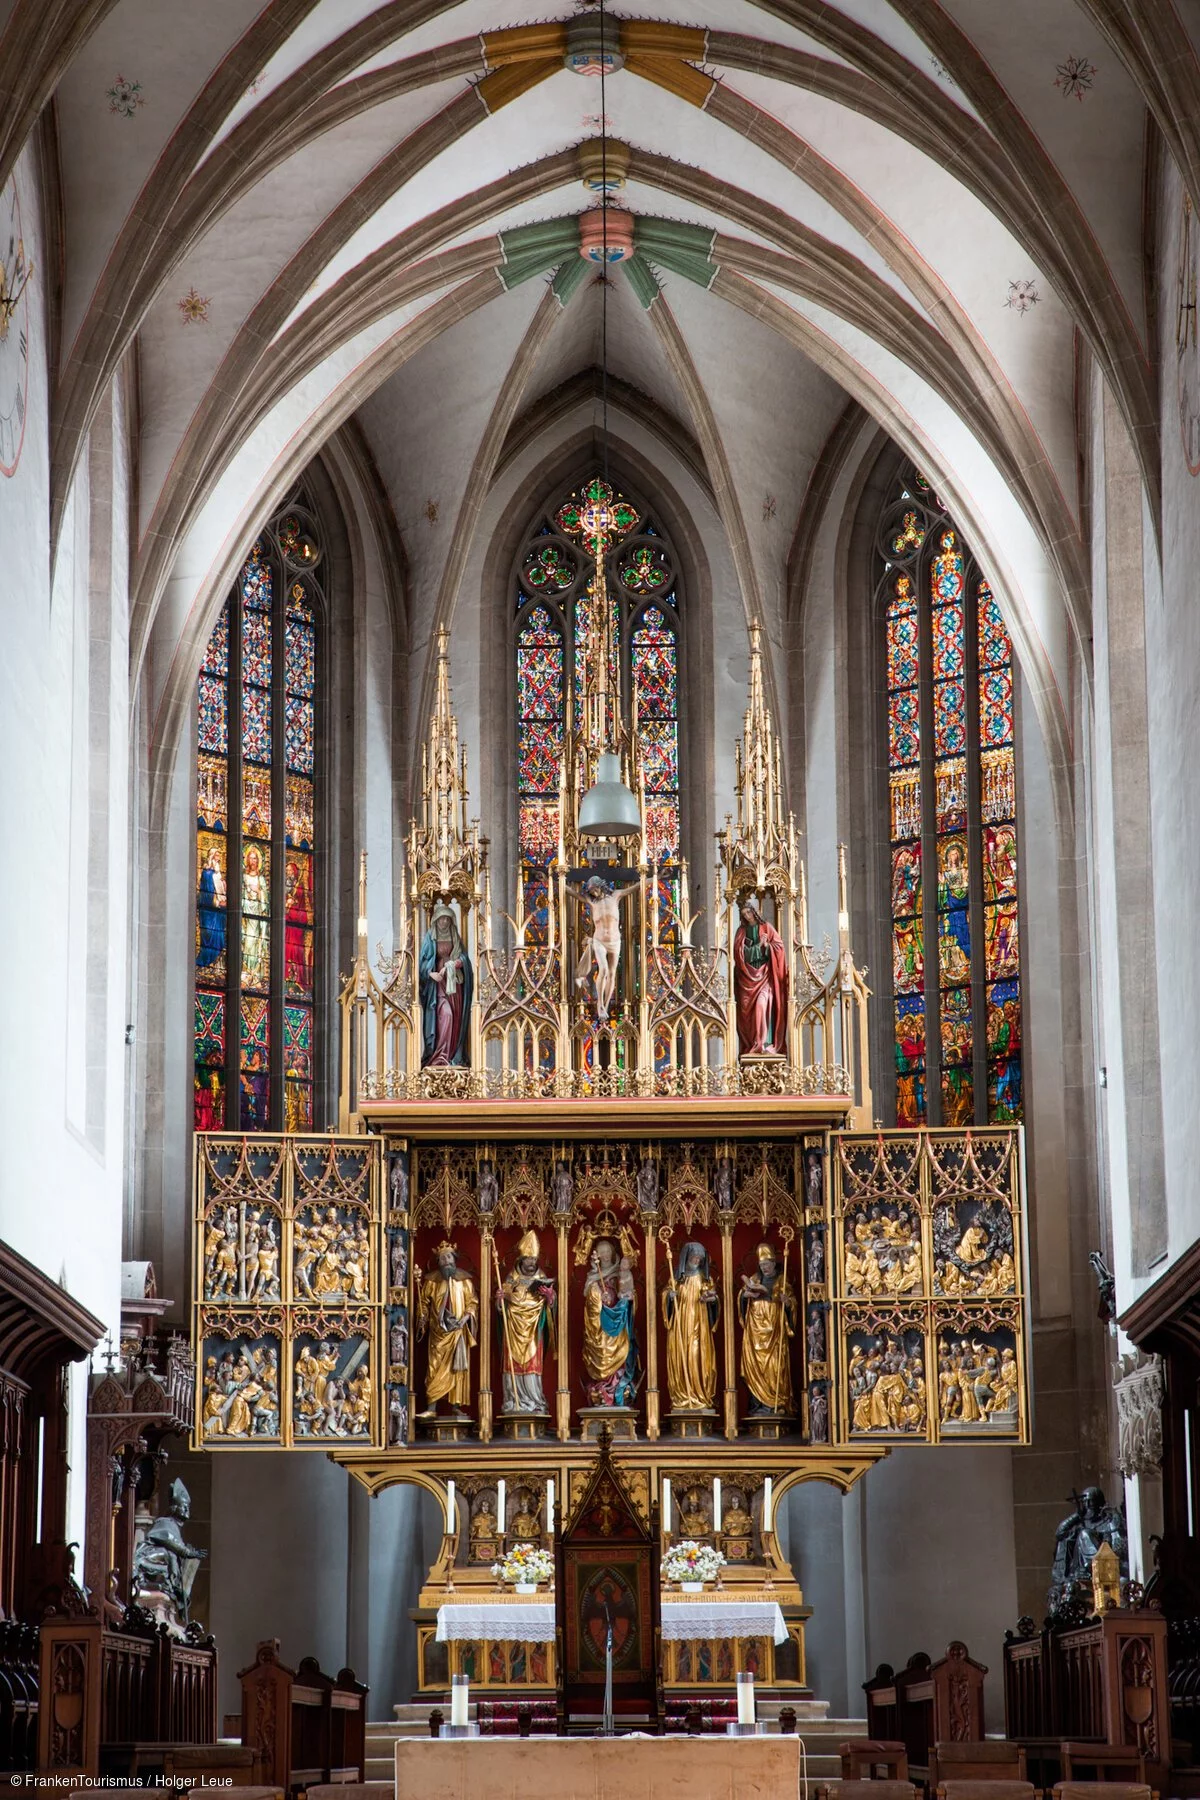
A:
760, 984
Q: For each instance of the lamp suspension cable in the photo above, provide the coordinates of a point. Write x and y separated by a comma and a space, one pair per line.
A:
604, 238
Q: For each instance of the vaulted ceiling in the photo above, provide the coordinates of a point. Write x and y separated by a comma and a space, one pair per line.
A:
313, 209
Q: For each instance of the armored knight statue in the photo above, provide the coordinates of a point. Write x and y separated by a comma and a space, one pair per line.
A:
1076, 1543
165, 1564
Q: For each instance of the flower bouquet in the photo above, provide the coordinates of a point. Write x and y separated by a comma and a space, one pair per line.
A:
524, 1566
692, 1564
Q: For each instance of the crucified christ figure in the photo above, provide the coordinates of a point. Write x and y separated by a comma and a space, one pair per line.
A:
604, 945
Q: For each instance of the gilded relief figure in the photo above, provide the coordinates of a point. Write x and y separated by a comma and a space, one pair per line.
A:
978, 1385
241, 1393
332, 1401
690, 1307
609, 1334
448, 1314
767, 1309
886, 1380
973, 1253
526, 1304
883, 1250
330, 1256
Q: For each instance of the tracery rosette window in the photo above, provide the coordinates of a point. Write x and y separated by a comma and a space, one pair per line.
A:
555, 617
956, 978
255, 811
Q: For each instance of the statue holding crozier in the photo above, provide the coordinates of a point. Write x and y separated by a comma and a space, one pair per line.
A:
768, 1313
525, 1302
760, 983
448, 1315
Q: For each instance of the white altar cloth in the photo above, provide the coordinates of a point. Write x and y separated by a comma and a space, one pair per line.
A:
532, 1621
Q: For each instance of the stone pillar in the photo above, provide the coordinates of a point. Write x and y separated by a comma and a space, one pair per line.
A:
1140, 1389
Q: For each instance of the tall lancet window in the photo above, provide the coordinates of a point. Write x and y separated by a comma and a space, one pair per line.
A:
956, 967
555, 615
255, 840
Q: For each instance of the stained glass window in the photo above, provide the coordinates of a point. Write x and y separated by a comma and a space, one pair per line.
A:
555, 617
952, 832
255, 851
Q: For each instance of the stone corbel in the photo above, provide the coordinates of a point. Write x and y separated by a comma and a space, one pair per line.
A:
1140, 1389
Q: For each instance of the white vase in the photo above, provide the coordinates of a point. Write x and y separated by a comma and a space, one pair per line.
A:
692, 1587
525, 1587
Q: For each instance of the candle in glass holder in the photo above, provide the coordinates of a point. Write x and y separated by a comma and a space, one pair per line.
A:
745, 1697
460, 1693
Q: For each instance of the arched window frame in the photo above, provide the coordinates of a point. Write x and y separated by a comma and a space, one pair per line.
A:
263, 1074
949, 736
551, 575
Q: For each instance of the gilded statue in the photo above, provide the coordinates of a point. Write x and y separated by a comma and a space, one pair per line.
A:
448, 1315
690, 1306
735, 1520
693, 1516
525, 1522
767, 1309
609, 1331
526, 1304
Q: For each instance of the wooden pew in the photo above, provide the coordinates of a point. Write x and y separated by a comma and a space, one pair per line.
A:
309, 1727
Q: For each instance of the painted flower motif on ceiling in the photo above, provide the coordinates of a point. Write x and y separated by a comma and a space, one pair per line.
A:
194, 307
125, 96
1022, 295
1075, 77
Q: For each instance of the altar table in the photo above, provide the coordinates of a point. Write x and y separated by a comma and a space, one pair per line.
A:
588, 1768
532, 1621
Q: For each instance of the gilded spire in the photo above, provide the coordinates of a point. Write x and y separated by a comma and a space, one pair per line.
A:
758, 845
445, 846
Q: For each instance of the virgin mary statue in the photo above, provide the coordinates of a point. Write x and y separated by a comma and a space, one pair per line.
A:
447, 983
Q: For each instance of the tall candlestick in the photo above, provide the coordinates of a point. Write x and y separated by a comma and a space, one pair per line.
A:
768, 1505
450, 1506
550, 1506
745, 1697
460, 1699
716, 1503
666, 1504
501, 1491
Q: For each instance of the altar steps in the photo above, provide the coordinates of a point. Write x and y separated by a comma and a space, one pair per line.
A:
821, 1735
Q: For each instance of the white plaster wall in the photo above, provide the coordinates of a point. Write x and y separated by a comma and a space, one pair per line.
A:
1173, 672
61, 1160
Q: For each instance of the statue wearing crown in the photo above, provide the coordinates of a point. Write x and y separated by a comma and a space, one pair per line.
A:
527, 1303
448, 1315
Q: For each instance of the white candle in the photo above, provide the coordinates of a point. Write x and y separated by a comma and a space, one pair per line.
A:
501, 1515
460, 1696
716, 1503
666, 1504
745, 1697
450, 1504
768, 1512
550, 1506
